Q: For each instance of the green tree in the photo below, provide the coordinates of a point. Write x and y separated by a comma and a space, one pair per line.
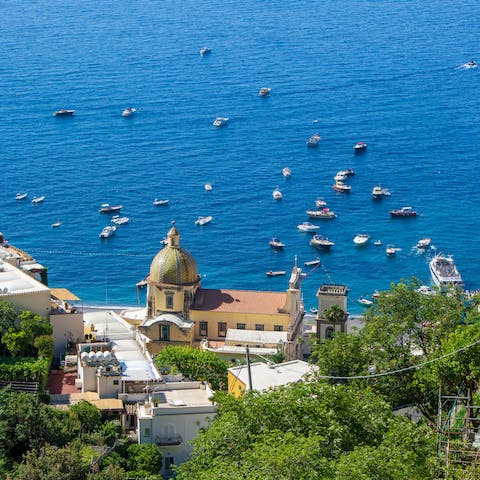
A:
194, 363
44, 346
16, 341
334, 314
8, 316
144, 459
88, 415
34, 325
110, 431
52, 463
112, 472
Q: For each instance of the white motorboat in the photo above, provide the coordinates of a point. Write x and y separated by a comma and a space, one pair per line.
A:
220, 121
21, 196
308, 227
340, 176
286, 172
320, 202
361, 239
129, 111
320, 241
365, 301
161, 202
273, 273
342, 187
323, 213
313, 140
444, 271
391, 250
264, 91
424, 243
208, 187
403, 212
425, 290
277, 194
36, 200
56, 224
107, 208
378, 192
276, 244
107, 231
63, 113
312, 263
360, 147
470, 64
203, 220
118, 220
204, 51
378, 242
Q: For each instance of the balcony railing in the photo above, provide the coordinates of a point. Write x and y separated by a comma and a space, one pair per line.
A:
175, 439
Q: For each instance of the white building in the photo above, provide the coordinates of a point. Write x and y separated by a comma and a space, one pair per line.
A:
23, 291
267, 375
172, 417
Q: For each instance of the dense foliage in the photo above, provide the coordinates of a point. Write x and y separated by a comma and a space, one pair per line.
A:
195, 364
306, 431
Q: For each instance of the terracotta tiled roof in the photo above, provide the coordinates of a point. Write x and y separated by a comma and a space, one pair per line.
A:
239, 301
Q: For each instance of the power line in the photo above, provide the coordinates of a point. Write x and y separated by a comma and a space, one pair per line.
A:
400, 370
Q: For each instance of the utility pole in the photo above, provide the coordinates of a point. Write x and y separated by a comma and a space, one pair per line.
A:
249, 369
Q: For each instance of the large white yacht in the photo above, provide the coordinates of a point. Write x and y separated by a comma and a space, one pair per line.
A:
444, 271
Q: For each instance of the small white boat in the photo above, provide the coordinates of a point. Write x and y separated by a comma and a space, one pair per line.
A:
220, 121
161, 202
56, 224
273, 273
425, 290
323, 213
204, 51
107, 231
470, 64
313, 140
308, 227
277, 194
128, 112
321, 242
63, 113
276, 244
424, 243
391, 250
312, 263
340, 176
118, 220
203, 220
378, 192
361, 239
360, 147
342, 187
264, 91
208, 187
365, 301
320, 202
21, 196
107, 208
377, 242
36, 200
286, 172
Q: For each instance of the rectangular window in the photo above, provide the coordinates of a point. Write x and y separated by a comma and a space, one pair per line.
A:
260, 326
278, 328
147, 432
240, 326
222, 329
204, 329
115, 382
168, 464
165, 333
169, 300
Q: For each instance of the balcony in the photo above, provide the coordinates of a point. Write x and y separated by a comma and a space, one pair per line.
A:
175, 439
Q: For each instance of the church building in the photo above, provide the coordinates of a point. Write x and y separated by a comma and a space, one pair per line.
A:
180, 312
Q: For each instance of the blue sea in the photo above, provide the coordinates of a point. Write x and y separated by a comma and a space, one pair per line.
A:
381, 71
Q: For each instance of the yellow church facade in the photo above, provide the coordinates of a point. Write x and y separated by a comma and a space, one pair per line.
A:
180, 312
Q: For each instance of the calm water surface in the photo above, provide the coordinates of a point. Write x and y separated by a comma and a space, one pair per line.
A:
379, 71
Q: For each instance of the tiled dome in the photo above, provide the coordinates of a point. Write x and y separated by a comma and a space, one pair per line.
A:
173, 264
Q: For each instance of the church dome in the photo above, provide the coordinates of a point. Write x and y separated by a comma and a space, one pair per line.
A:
173, 264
